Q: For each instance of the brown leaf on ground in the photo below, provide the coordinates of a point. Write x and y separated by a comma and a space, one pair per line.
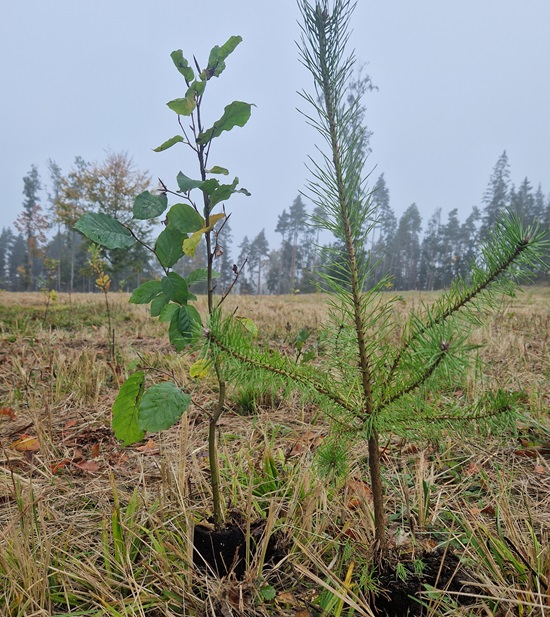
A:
89, 466
308, 441
8, 412
539, 469
70, 424
25, 444
94, 453
358, 492
472, 469
527, 452
149, 448
288, 598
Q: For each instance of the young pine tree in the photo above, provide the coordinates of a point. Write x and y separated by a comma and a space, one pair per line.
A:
367, 384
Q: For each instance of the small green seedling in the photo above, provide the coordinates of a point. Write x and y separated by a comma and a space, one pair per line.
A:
199, 213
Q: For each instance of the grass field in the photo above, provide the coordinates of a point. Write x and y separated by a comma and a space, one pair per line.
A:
88, 527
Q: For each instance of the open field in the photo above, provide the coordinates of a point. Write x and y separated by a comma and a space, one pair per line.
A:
88, 527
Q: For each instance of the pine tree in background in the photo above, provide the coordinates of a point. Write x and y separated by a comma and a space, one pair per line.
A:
225, 265
246, 286
16, 261
407, 249
259, 250
431, 254
6, 245
33, 225
297, 226
496, 195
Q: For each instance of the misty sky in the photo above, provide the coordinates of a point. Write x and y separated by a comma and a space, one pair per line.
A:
458, 82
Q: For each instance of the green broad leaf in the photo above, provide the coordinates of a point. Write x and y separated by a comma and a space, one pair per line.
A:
168, 143
268, 592
168, 247
223, 192
236, 113
200, 275
146, 292
162, 406
168, 312
197, 87
157, 304
104, 230
218, 170
126, 410
175, 288
184, 218
180, 339
183, 326
149, 206
186, 184
182, 65
218, 55
183, 107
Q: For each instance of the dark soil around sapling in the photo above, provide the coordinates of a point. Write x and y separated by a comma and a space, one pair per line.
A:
405, 590
223, 551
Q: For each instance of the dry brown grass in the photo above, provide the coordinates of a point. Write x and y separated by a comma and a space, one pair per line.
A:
88, 525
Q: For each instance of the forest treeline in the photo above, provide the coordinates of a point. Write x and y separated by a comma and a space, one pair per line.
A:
43, 251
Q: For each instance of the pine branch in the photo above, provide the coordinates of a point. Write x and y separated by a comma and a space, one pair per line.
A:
291, 375
523, 242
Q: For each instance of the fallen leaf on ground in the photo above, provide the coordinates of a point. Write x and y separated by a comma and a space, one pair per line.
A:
527, 452
26, 444
358, 492
539, 469
149, 448
70, 424
95, 450
90, 466
8, 411
55, 467
306, 442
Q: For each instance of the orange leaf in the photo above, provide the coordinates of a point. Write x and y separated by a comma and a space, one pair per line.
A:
70, 423
8, 411
472, 469
539, 469
95, 450
55, 467
25, 444
149, 448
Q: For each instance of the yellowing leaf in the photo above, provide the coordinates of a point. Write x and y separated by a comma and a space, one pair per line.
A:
103, 282
199, 369
248, 325
214, 218
190, 244
26, 444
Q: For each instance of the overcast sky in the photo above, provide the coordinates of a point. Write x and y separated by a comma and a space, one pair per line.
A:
459, 82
